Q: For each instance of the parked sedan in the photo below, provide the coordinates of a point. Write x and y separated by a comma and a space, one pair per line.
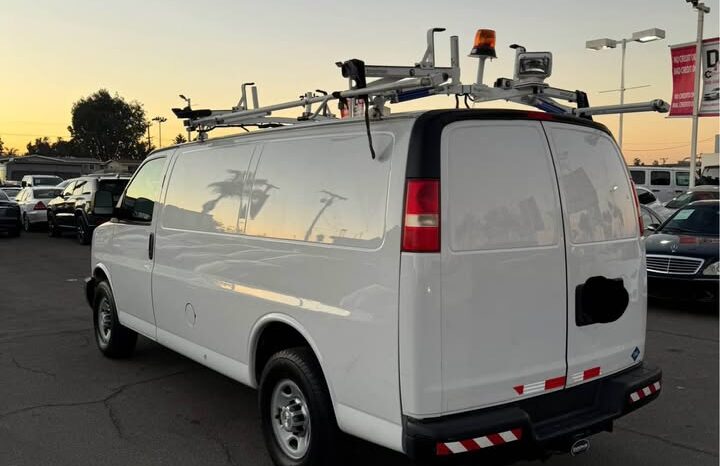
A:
682, 254
648, 199
698, 193
11, 191
9, 215
33, 205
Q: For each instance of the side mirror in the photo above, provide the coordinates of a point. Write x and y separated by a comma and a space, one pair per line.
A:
652, 227
24, 184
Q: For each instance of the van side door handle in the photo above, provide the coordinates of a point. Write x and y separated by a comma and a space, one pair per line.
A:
151, 245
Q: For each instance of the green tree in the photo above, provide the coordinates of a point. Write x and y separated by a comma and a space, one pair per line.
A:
10, 151
637, 162
107, 127
655, 163
179, 139
43, 146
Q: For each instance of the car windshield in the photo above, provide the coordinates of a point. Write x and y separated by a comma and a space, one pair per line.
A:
687, 198
694, 219
11, 192
46, 193
46, 180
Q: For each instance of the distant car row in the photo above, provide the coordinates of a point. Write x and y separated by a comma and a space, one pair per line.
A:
76, 205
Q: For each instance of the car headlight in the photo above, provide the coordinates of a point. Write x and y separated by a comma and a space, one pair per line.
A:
712, 269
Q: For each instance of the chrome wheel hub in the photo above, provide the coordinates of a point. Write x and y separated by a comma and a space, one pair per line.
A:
290, 419
104, 317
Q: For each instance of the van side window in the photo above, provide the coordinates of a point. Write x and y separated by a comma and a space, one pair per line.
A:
660, 178
209, 189
143, 191
682, 178
322, 190
638, 176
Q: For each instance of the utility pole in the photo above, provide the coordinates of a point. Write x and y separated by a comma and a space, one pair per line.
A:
160, 120
702, 11
148, 124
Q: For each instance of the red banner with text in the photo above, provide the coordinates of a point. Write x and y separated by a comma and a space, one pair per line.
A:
683, 70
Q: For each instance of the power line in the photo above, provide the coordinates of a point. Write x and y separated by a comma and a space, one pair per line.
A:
665, 148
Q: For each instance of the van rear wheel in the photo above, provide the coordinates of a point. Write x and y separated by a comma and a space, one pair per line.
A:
297, 417
113, 339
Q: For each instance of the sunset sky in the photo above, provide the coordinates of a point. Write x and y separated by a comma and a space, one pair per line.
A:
151, 51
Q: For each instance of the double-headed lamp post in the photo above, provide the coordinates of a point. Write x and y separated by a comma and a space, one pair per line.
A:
160, 120
648, 35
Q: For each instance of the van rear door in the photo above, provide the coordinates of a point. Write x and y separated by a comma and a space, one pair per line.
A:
504, 310
605, 258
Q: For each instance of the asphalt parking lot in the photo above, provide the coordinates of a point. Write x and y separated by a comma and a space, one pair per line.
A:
62, 403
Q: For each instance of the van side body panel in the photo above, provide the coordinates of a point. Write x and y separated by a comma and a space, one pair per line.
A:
216, 276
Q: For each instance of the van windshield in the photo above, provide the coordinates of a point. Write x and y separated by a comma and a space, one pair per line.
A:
46, 180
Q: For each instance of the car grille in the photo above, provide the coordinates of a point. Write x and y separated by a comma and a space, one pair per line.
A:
673, 264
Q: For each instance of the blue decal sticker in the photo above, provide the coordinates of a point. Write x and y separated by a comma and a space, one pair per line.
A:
635, 353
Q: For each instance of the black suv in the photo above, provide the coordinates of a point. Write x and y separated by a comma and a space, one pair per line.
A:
85, 203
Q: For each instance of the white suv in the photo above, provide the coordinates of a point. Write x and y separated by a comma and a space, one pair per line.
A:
411, 299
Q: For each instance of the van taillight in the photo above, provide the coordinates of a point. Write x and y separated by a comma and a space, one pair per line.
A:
637, 208
39, 206
421, 225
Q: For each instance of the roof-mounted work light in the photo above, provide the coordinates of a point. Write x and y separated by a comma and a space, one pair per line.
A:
533, 65
484, 45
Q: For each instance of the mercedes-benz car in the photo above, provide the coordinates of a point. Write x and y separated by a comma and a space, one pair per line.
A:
682, 254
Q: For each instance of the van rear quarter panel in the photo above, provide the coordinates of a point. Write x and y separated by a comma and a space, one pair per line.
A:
344, 296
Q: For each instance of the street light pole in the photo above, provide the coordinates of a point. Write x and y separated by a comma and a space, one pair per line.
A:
622, 91
160, 120
648, 35
702, 10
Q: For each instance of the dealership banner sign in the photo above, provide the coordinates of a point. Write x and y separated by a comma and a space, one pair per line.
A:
683, 70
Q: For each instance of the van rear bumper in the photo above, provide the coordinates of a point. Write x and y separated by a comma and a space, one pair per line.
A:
536, 427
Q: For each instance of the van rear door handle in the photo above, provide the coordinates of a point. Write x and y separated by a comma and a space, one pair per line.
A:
151, 245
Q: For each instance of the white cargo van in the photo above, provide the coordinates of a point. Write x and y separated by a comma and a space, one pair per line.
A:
665, 182
411, 300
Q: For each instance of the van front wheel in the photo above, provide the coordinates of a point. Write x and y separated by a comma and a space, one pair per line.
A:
113, 339
297, 417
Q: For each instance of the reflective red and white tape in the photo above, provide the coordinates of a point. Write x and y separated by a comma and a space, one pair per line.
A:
543, 386
638, 395
585, 375
491, 440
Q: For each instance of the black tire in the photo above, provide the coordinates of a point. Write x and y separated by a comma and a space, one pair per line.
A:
27, 226
119, 341
84, 234
53, 229
300, 366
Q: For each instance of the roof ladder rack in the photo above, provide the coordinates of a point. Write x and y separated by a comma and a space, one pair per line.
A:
395, 84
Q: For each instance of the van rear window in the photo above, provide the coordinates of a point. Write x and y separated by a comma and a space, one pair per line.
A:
595, 189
